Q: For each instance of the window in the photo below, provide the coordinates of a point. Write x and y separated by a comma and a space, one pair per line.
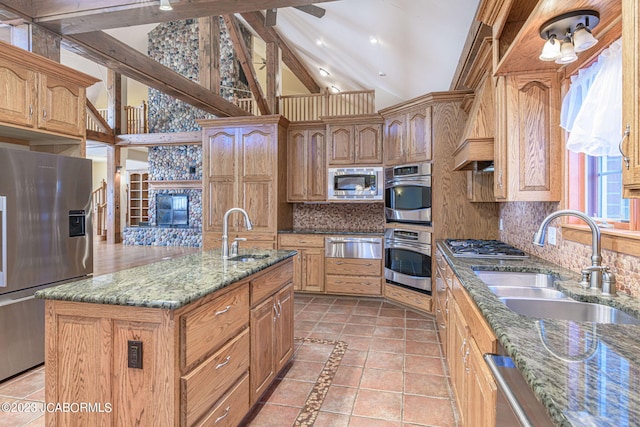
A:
603, 184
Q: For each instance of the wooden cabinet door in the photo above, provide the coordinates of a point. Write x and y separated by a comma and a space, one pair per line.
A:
219, 177
263, 320
631, 97
284, 327
316, 166
256, 178
458, 355
298, 171
500, 144
341, 145
481, 390
419, 135
313, 270
368, 143
532, 133
61, 106
395, 134
18, 88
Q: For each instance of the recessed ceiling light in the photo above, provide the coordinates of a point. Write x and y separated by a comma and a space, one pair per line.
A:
373, 40
334, 89
324, 72
319, 42
382, 73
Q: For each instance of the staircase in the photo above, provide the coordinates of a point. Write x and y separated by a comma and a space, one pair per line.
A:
99, 206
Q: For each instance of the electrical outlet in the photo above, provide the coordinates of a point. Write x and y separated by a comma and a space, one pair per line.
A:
551, 235
134, 353
500, 224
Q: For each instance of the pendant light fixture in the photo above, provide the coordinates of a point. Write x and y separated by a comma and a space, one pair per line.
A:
165, 5
568, 34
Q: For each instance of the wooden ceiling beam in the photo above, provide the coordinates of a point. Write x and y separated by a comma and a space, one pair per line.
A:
270, 35
117, 56
244, 57
72, 17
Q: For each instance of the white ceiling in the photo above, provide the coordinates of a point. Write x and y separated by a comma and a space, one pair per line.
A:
419, 45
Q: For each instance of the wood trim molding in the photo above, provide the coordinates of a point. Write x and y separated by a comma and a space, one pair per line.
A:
153, 139
622, 241
176, 184
432, 97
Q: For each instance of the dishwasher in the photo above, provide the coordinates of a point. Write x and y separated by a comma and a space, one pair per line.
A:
353, 247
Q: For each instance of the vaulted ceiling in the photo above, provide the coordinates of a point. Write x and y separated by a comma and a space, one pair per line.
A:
418, 42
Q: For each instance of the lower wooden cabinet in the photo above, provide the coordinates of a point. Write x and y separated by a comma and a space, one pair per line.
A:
466, 337
352, 276
203, 364
413, 299
308, 265
271, 330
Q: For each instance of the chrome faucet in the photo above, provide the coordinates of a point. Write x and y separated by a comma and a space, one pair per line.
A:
225, 229
591, 276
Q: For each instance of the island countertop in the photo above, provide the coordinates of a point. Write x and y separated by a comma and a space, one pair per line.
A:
585, 374
168, 284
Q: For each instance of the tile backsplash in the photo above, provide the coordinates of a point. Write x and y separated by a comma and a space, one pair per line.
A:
368, 217
521, 220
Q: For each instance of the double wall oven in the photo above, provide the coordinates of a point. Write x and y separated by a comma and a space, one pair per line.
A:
408, 235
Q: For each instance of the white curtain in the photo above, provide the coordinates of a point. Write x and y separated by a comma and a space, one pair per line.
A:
592, 109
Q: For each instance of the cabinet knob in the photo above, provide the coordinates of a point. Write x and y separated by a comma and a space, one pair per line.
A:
30, 110
44, 114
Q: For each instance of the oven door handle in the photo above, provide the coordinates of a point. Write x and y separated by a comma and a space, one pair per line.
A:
421, 180
423, 249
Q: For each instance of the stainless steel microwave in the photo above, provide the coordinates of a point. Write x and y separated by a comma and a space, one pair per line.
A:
355, 183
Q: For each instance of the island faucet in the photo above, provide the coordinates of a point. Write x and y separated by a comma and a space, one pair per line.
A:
596, 271
225, 229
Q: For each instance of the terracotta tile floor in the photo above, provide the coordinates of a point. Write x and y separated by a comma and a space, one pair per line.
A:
392, 372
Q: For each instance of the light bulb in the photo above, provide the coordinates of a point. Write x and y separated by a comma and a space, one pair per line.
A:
568, 55
583, 39
551, 49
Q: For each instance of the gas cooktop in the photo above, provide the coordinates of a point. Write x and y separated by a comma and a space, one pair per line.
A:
469, 248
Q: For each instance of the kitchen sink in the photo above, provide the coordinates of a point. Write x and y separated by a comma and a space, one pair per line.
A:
527, 292
567, 309
515, 279
248, 257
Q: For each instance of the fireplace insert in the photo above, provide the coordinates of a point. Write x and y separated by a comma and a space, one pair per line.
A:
172, 210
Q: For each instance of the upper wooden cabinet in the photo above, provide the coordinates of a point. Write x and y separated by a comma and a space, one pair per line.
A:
631, 97
407, 135
37, 94
354, 140
528, 151
245, 166
307, 165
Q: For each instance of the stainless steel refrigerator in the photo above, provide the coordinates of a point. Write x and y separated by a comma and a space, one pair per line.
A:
46, 239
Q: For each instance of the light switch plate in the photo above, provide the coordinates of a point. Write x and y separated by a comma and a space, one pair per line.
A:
551, 235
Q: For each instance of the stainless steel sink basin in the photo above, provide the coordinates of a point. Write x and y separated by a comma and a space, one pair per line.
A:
513, 279
248, 257
567, 309
527, 292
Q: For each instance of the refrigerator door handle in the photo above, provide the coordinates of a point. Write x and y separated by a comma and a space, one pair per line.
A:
3, 230
16, 301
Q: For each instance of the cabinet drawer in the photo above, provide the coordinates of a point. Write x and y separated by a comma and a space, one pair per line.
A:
301, 240
212, 378
232, 408
355, 267
208, 327
353, 285
271, 281
411, 298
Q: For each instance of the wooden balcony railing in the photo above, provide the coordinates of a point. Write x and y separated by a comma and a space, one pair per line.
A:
137, 121
99, 205
298, 108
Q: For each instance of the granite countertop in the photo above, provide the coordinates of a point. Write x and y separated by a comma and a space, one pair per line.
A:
168, 284
333, 232
586, 374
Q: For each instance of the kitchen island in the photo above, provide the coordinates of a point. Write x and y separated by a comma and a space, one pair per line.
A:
583, 373
186, 341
